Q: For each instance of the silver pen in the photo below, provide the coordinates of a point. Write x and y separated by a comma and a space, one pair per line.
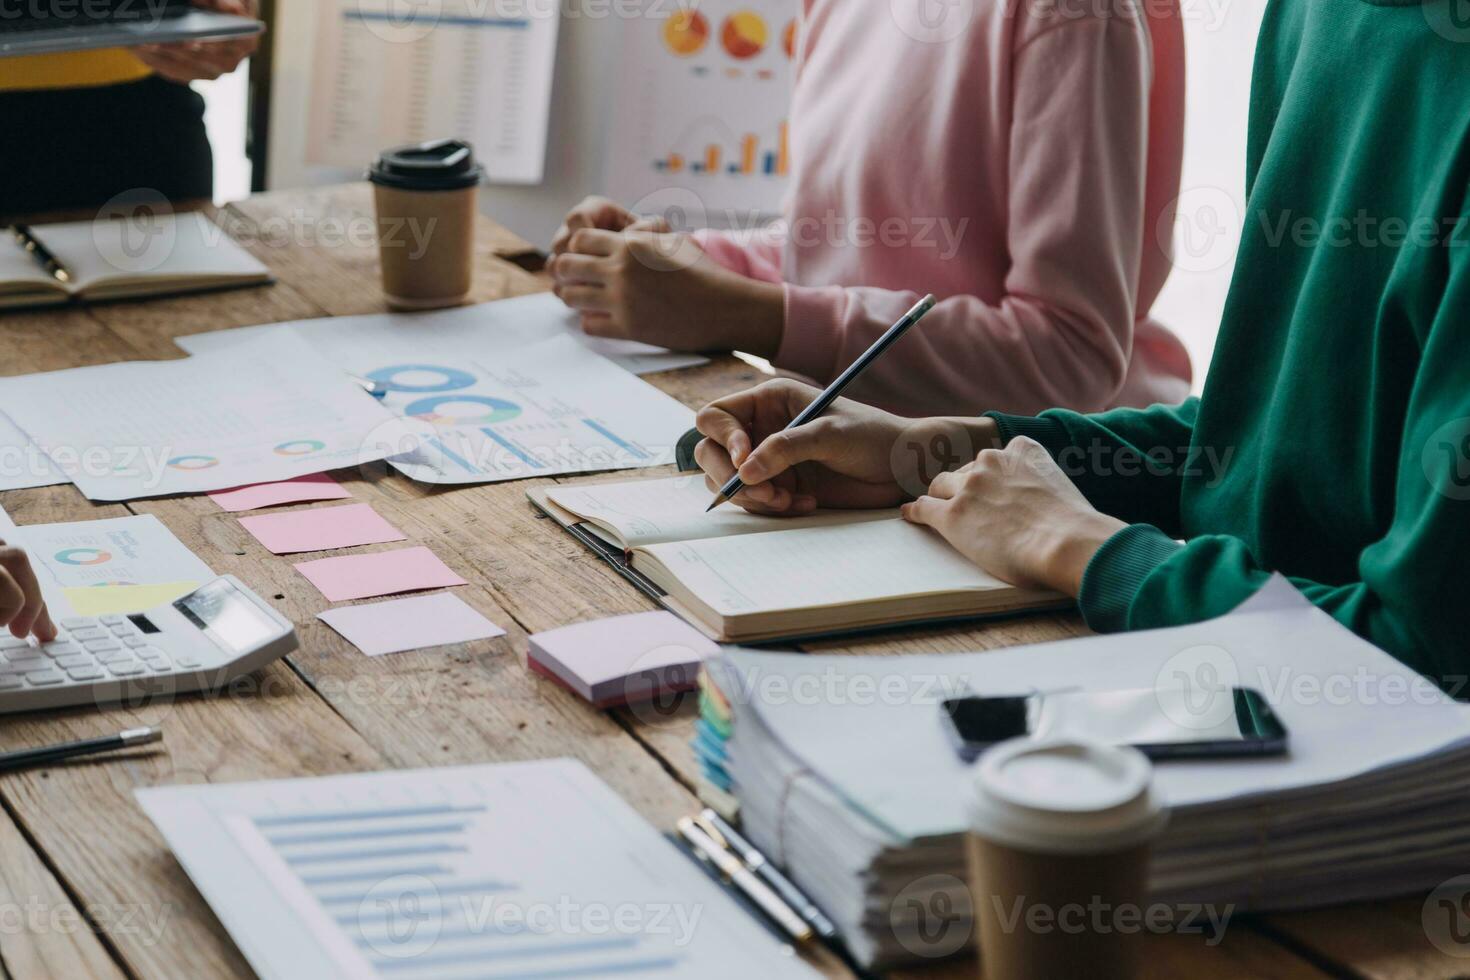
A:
716, 826
743, 878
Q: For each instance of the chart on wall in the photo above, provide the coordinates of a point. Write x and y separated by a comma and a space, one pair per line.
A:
388, 72
700, 116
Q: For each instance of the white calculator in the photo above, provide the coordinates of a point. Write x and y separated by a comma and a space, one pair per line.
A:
200, 642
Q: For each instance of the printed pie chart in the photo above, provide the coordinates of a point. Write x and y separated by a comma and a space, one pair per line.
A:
462, 410
300, 447
743, 34
686, 32
83, 556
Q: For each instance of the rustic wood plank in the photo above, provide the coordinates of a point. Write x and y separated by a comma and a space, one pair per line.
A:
42, 932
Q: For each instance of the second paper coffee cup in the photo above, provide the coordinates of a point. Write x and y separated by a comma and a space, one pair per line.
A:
424, 195
1060, 832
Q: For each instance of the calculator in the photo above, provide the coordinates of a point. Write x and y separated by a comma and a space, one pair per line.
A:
199, 642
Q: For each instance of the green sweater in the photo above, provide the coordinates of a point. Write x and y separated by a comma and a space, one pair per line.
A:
1332, 442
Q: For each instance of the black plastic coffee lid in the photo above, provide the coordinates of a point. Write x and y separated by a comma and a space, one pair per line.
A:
439, 165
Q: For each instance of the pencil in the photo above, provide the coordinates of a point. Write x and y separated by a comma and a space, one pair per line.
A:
11, 761
834, 390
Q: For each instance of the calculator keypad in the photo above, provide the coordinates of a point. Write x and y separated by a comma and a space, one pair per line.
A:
86, 650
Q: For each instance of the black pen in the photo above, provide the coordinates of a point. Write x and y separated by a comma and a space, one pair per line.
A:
834, 390
24, 758
723, 833
41, 254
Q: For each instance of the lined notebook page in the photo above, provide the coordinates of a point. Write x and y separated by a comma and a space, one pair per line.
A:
182, 246
645, 512
19, 271
819, 566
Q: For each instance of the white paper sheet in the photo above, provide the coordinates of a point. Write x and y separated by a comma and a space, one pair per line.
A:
521, 869
699, 118
83, 565
497, 399
268, 410
523, 319
388, 73
22, 464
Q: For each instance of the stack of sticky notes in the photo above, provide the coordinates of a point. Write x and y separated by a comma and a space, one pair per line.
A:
623, 659
711, 733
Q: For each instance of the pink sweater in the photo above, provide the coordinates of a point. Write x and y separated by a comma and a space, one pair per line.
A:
1020, 171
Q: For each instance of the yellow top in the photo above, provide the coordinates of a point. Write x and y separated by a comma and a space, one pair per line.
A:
79, 69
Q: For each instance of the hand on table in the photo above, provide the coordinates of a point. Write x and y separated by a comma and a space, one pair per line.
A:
852, 456
21, 607
188, 61
661, 288
1014, 513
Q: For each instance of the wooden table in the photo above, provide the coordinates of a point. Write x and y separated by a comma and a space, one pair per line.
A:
87, 887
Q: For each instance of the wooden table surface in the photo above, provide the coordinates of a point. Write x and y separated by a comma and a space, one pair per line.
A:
87, 887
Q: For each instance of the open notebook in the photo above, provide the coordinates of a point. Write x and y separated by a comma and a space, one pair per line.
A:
44, 265
741, 577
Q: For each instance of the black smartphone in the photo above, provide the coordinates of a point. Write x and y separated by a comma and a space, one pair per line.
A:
1162, 723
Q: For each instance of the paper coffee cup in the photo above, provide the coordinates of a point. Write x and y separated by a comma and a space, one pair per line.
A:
1060, 832
425, 197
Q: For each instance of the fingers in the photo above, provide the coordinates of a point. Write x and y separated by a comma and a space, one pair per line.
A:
594, 241
592, 299
571, 267
21, 605
594, 213
926, 510
654, 224
812, 442
725, 422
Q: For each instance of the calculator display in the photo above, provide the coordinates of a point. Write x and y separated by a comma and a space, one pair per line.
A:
228, 616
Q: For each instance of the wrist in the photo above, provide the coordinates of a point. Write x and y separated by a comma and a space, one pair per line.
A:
1072, 549
757, 318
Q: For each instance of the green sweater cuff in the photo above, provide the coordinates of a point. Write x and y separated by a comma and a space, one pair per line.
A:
1116, 573
1047, 431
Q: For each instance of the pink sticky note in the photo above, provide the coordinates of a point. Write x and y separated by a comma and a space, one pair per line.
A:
317, 486
379, 573
415, 623
321, 529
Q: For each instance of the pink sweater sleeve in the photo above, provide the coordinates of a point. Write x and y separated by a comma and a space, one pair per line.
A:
752, 254
1062, 334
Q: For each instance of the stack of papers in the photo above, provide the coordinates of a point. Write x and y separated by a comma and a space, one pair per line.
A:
846, 775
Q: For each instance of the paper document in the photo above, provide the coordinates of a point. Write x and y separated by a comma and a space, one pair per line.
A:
387, 73
22, 464
269, 409
489, 401
520, 320
415, 623
699, 117
531, 869
114, 565
911, 780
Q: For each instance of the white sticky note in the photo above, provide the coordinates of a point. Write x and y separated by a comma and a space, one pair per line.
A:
416, 623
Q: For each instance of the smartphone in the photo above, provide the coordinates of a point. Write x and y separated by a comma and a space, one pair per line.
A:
1162, 723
